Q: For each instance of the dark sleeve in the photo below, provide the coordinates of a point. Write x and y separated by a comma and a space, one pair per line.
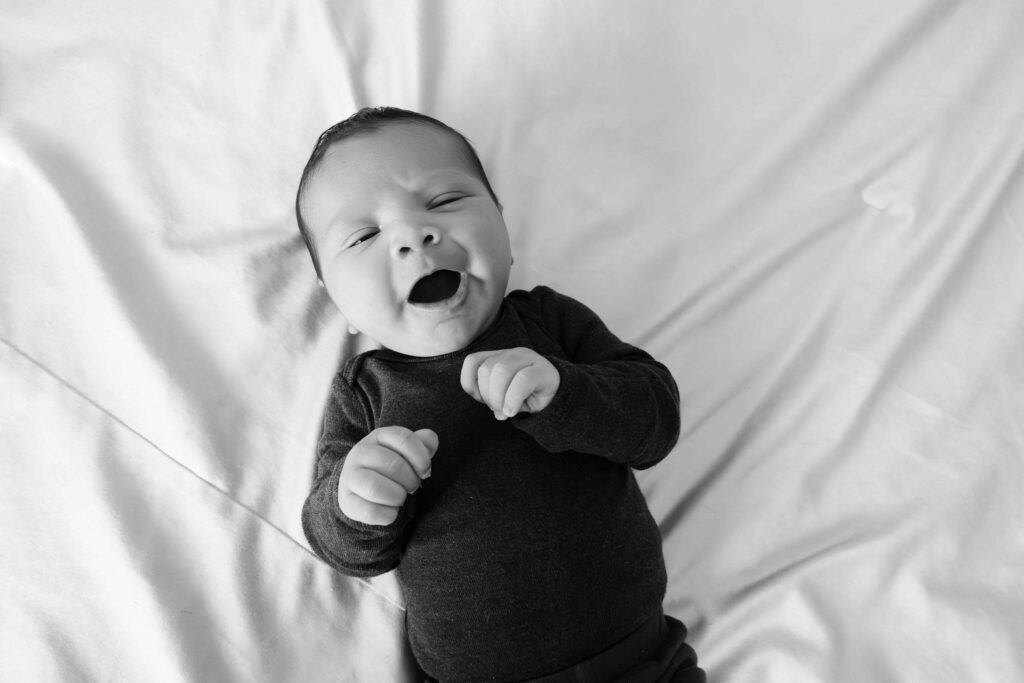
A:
614, 400
351, 547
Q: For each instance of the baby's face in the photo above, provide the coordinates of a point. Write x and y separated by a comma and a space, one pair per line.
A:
413, 250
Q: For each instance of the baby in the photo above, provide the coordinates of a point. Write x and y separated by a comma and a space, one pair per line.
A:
485, 450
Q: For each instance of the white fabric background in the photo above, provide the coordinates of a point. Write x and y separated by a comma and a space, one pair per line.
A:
812, 212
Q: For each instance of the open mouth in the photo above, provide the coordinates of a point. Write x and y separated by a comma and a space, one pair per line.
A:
438, 286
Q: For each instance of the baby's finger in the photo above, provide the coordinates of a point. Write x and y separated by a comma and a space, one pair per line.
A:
374, 487
429, 439
364, 511
393, 466
407, 444
519, 390
502, 373
484, 384
470, 372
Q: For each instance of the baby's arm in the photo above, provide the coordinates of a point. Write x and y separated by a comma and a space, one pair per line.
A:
610, 399
354, 518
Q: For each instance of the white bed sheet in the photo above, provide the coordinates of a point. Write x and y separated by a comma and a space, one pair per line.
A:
812, 212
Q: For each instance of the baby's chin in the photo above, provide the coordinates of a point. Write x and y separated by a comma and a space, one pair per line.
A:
442, 340
432, 346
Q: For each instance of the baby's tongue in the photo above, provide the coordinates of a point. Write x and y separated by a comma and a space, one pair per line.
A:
435, 287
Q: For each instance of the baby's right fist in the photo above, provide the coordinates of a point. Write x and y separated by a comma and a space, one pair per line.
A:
382, 470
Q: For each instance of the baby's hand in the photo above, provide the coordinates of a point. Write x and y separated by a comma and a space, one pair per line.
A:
510, 381
381, 470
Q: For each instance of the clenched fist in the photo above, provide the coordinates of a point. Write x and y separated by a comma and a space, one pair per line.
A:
510, 381
382, 470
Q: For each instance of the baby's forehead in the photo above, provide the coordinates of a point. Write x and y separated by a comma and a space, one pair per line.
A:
432, 148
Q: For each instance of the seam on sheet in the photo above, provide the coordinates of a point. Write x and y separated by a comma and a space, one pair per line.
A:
78, 392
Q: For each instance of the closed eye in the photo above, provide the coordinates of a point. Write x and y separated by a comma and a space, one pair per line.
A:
445, 199
364, 235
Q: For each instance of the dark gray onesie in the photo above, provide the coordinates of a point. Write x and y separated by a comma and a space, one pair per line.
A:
530, 547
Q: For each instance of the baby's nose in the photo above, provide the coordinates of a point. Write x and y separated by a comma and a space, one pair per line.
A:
411, 240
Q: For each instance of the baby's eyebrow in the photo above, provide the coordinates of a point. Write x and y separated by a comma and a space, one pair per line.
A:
448, 174
338, 230
343, 227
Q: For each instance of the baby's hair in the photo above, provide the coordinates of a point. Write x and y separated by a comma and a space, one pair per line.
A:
366, 120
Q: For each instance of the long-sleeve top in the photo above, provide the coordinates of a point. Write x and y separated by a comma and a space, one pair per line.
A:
530, 547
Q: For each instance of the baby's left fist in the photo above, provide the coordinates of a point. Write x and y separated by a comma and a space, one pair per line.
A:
510, 381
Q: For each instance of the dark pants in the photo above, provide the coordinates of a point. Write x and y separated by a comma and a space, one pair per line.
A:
654, 653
